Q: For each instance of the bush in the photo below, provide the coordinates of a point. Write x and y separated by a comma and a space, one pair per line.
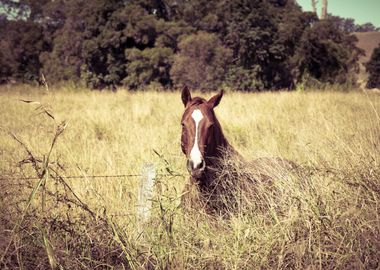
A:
373, 69
201, 63
326, 54
147, 66
20, 45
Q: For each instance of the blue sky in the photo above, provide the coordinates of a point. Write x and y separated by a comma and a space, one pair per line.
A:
361, 10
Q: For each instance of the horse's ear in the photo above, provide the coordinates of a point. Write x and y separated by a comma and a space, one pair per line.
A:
186, 96
215, 100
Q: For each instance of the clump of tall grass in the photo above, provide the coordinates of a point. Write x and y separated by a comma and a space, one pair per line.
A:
313, 216
46, 224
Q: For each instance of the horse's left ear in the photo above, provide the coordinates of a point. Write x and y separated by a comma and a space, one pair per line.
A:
215, 100
185, 95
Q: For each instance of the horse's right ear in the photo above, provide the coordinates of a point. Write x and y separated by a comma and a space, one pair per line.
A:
215, 100
186, 96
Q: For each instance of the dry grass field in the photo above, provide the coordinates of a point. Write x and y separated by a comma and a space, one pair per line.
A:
326, 217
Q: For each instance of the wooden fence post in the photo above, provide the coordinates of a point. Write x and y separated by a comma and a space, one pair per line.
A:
144, 199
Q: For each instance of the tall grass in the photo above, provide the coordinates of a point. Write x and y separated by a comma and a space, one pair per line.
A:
323, 216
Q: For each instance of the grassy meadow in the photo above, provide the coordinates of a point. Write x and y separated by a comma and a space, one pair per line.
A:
325, 218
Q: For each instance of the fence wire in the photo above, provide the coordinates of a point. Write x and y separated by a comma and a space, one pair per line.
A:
93, 176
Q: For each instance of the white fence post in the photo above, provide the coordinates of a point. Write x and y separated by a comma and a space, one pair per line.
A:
144, 199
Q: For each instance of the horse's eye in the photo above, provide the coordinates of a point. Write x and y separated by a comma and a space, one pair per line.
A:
210, 125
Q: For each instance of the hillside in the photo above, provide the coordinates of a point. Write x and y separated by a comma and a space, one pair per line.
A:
367, 41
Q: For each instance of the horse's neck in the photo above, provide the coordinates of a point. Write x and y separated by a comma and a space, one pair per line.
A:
221, 150
221, 143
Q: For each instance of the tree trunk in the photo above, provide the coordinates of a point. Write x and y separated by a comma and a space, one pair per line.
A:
314, 5
324, 10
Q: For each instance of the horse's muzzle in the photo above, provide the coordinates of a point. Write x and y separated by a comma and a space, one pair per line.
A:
196, 171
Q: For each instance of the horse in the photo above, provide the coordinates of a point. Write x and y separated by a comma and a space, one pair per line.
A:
205, 146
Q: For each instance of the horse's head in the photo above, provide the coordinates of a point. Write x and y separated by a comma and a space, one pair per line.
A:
201, 132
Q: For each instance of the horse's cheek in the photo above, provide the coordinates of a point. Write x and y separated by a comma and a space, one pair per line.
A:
210, 141
183, 143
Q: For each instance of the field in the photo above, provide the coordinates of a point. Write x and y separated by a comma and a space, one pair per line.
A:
326, 217
368, 41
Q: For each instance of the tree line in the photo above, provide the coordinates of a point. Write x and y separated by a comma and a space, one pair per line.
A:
248, 45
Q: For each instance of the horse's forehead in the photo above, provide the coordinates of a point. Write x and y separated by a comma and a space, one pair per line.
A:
197, 115
198, 111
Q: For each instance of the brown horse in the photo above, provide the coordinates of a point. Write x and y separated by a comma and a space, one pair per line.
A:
205, 145
202, 139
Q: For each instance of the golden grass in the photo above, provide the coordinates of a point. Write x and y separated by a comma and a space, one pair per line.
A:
325, 217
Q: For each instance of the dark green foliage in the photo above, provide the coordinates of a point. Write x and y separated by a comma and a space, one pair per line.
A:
250, 45
251, 33
87, 45
20, 46
367, 27
373, 69
326, 54
201, 62
349, 26
147, 66
115, 44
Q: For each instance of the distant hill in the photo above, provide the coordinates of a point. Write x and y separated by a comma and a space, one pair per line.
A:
367, 41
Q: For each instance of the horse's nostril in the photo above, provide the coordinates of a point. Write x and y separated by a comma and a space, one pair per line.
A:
202, 166
194, 167
189, 165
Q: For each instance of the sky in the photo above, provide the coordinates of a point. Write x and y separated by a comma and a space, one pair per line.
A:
362, 11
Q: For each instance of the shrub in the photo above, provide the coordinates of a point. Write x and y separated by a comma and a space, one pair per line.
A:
202, 61
147, 66
373, 69
326, 54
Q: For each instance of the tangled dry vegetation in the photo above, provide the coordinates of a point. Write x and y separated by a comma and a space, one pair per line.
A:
321, 214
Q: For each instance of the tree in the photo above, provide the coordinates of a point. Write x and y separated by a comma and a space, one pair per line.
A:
147, 66
250, 31
201, 62
346, 25
373, 69
81, 47
326, 54
367, 27
250, 45
293, 24
20, 46
324, 10
110, 43
314, 6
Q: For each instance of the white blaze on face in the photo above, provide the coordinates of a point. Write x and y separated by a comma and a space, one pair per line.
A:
195, 154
